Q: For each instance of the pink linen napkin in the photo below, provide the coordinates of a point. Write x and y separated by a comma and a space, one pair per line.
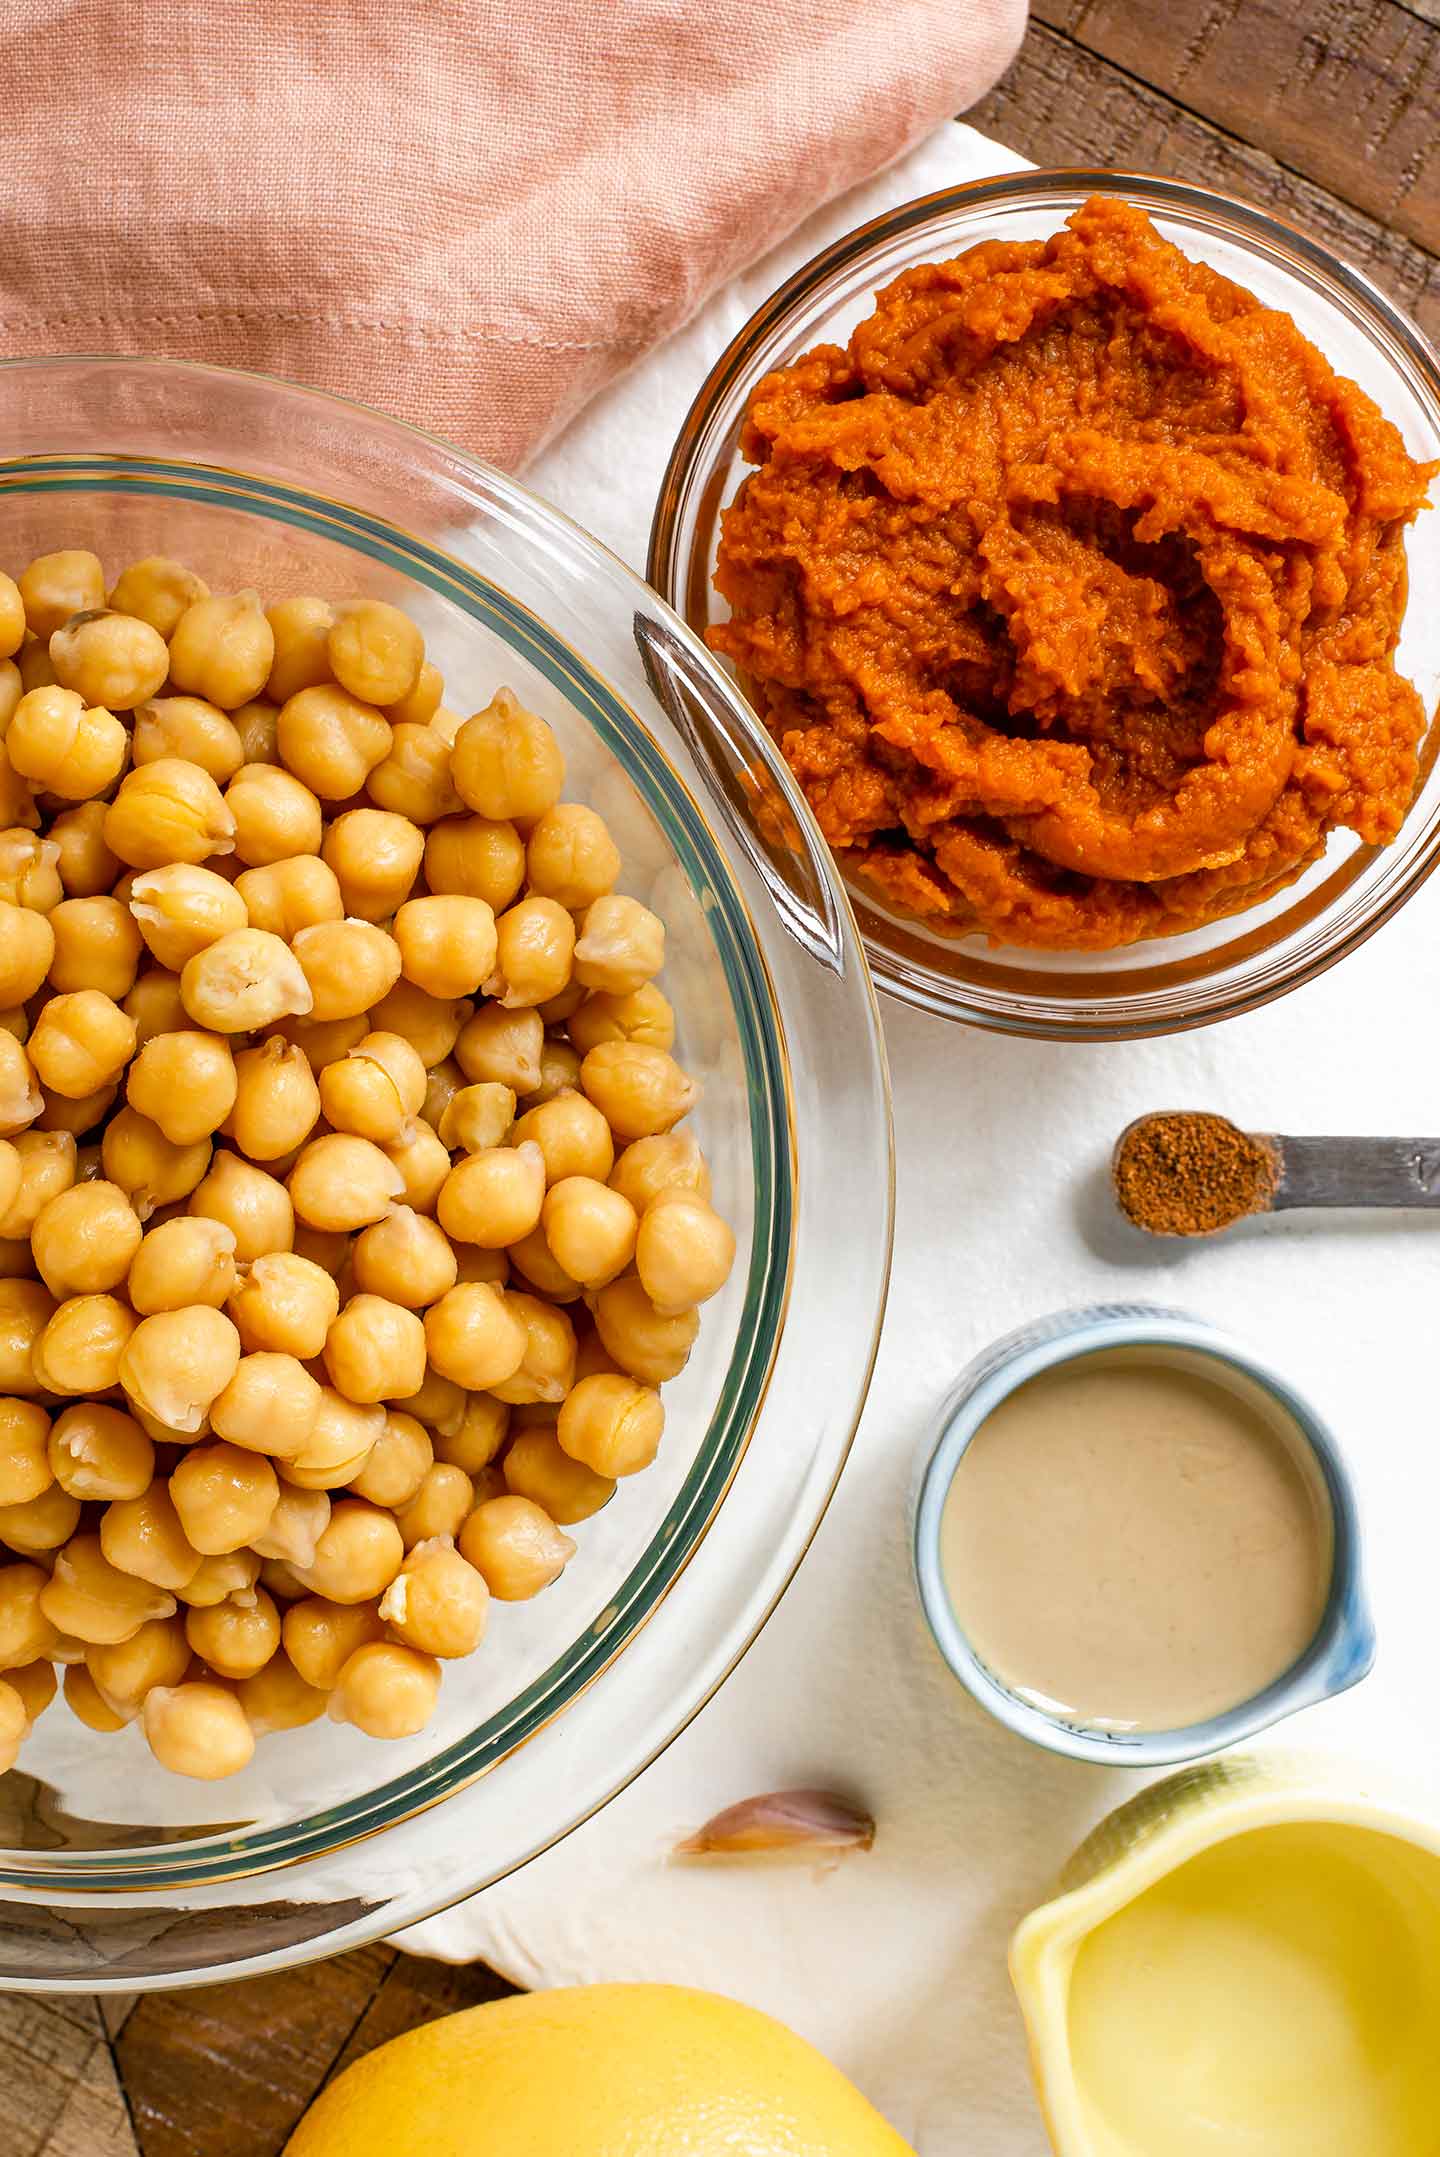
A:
470, 212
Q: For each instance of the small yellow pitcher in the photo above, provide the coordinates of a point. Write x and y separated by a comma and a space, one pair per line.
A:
1243, 1962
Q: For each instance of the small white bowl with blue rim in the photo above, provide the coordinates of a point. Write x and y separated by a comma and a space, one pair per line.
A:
1343, 1647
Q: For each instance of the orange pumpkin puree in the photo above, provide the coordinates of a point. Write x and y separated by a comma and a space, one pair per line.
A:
1071, 589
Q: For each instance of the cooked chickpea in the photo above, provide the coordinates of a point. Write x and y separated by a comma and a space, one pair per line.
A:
683, 1253
84, 1239
437, 1602
611, 1424
506, 762
358, 1555
330, 740
477, 858
27, 945
375, 1090
197, 1729
90, 1597
342, 1182
176, 1363
156, 1005
255, 1206
184, 1083
447, 943
77, 1115
669, 1161
294, 1528
36, 1685
474, 1337
32, 664
237, 1637
277, 1698
269, 1405
81, 1346
421, 1162
158, 591
25, 1631
275, 815
573, 1137
286, 1303
493, 1198
502, 1047
181, 1262
88, 1704
98, 1452
285, 897
559, 1072
109, 658
324, 1041
21, 1100
336, 1450
168, 811
321, 1636
97, 946
14, 1725
375, 1350
124, 1671
547, 1366
439, 1404
375, 651
11, 1175
40, 1524
224, 1496
414, 779
233, 1572
398, 1463
651, 1346
182, 910
421, 701
30, 870
515, 1546
387, 1690
277, 1102
81, 1041
25, 1469
190, 728
26, 1308
12, 616
439, 1507
349, 966
85, 863
570, 856
257, 724
375, 856
47, 1167
431, 1026
475, 1118
475, 1440
301, 627
149, 1167
537, 1467
589, 1228
222, 649
535, 950
406, 1258
55, 586
533, 1258
639, 1091
12, 688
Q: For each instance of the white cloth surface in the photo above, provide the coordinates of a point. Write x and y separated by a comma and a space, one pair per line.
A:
894, 1962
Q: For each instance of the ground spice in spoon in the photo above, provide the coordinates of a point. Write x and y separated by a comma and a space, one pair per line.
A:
1187, 1173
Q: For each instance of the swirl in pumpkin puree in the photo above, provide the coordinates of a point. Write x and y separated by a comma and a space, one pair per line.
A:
1071, 590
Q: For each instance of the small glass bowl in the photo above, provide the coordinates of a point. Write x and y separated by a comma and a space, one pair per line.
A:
1343, 1648
1166, 984
116, 1875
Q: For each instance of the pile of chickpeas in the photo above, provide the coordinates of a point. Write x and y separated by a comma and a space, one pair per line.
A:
346, 1236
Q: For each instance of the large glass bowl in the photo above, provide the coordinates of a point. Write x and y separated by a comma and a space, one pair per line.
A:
1165, 984
113, 1873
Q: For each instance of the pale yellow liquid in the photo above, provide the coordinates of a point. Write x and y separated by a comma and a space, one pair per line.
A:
1133, 1543
1278, 1996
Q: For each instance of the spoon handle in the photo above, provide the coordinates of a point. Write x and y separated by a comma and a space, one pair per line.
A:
1356, 1172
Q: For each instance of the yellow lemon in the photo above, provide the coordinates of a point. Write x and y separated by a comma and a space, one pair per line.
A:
597, 2071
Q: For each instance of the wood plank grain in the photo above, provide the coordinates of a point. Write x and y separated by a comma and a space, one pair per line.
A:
1061, 105
1346, 93
47, 2047
227, 2071
94, 2120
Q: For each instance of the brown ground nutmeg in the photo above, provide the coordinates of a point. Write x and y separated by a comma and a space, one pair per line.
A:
1187, 1173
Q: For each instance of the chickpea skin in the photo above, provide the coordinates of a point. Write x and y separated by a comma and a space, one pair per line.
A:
286, 1303
166, 812
507, 763
188, 727
177, 1363
473, 1337
534, 955
331, 741
275, 815
99, 1452
494, 1198
387, 1690
437, 1602
277, 1101
570, 856
236, 1637
277, 1698
253, 1205
184, 909
375, 1090
25, 1470
414, 779
222, 649
502, 1047
611, 1424
21, 1102
12, 616
398, 1462
97, 946
478, 858
683, 1252
149, 1167
301, 627
62, 744
404, 1257
375, 856
26, 1308
84, 1239
447, 943
181, 1262
157, 590
649, 1345
109, 658
14, 1726
224, 1496
591, 1230
269, 1405
91, 1598
375, 651
55, 586
375, 1350
184, 1083
358, 1555
431, 1026
27, 945
440, 1506
124, 1671
320, 1636
349, 966
340, 1182
670, 1161
639, 1091
537, 1467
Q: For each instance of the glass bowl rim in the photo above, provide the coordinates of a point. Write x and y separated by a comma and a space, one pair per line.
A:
217, 1855
1331, 931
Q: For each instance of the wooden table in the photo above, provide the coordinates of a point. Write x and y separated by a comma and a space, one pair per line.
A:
1329, 114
